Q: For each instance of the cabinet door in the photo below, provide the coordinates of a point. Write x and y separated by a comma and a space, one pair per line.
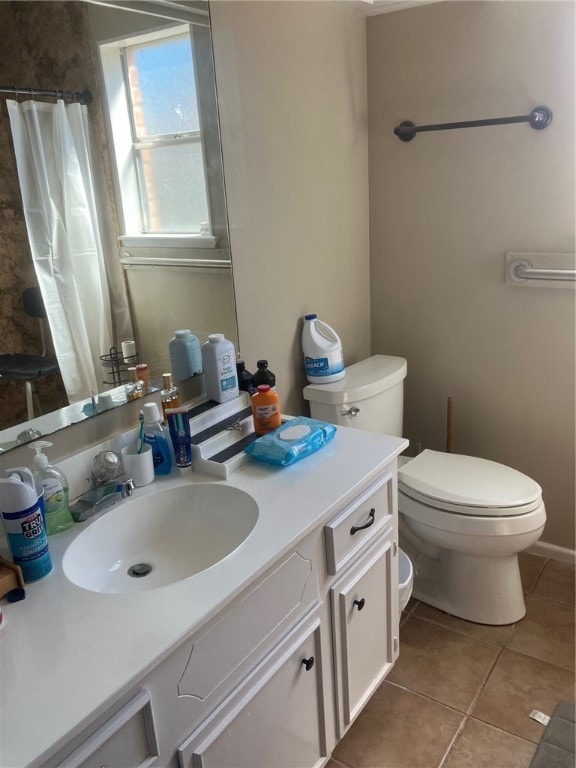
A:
127, 738
275, 719
365, 617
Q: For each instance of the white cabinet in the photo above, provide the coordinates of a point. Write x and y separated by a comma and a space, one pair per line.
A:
127, 738
281, 672
365, 629
362, 551
275, 718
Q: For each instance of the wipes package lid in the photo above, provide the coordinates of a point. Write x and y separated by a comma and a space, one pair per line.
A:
291, 442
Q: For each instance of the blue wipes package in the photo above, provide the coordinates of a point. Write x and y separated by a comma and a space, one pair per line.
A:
291, 442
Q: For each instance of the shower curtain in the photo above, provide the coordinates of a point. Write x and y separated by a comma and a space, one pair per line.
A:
85, 300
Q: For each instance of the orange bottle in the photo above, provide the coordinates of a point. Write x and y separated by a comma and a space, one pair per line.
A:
265, 410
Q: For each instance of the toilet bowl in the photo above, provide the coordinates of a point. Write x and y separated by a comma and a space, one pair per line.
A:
462, 520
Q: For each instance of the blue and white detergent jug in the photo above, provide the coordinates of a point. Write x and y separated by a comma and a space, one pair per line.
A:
322, 350
22, 513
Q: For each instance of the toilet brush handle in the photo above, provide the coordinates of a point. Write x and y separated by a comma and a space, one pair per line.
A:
356, 528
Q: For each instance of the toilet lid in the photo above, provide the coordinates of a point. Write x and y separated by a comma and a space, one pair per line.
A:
468, 484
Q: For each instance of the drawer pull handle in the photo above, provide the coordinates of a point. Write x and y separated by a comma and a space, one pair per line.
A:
308, 663
356, 528
360, 603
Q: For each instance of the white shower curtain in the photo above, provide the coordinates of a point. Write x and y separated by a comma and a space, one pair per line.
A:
51, 143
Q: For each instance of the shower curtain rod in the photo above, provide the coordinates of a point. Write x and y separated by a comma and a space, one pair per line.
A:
84, 97
539, 118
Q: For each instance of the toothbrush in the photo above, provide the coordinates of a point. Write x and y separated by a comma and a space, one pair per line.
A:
141, 433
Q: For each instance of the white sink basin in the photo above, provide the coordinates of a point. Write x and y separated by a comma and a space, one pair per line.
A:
150, 542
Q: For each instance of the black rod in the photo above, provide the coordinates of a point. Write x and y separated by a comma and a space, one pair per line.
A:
84, 97
539, 118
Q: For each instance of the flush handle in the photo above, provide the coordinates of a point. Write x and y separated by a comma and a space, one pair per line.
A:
351, 412
356, 528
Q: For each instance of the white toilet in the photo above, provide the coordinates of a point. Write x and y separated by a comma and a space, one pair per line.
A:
463, 520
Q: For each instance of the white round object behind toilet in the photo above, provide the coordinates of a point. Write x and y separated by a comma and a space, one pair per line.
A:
405, 579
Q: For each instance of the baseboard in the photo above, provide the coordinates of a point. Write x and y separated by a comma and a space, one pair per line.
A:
553, 552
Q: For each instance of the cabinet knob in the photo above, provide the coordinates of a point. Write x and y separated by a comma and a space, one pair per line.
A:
360, 603
308, 663
356, 528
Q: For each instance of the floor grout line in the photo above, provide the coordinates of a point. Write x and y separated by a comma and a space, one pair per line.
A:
460, 632
426, 696
538, 576
453, 740
483, 683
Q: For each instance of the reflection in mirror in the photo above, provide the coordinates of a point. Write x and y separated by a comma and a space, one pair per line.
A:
145, 250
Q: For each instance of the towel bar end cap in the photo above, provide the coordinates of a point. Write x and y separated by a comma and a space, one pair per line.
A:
540, 118
405, 131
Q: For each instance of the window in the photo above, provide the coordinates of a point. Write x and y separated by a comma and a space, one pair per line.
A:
166, 135
158, 106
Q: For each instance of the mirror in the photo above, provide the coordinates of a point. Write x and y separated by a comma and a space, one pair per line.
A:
171, 283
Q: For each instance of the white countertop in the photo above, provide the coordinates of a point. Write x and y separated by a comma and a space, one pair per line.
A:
67, 653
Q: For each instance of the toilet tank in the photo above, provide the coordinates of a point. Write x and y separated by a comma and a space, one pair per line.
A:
370, 396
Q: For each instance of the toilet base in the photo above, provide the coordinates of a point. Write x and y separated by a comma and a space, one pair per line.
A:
479, 589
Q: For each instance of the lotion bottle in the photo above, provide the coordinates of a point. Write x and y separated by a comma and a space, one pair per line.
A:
54, 490
220, 376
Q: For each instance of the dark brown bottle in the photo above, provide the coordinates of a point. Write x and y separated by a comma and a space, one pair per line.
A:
263, 375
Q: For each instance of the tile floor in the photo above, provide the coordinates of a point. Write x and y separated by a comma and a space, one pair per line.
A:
460, 694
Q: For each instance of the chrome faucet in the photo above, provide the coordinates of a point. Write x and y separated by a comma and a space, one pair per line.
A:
103, 494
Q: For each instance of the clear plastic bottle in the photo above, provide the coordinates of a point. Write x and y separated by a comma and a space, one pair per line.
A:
219, 361
135, 387
159, 439
169, 395
54, 490
143, 375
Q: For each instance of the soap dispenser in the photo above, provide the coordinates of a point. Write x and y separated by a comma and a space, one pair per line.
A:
54, 489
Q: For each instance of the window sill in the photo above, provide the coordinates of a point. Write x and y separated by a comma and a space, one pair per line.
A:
167, 241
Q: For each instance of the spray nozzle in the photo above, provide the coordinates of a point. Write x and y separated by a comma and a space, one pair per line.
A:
40, 460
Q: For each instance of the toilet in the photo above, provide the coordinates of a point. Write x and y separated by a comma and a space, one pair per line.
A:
462, 520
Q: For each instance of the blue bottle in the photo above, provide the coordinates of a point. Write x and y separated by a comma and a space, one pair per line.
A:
159, 439
185, 355
22, 512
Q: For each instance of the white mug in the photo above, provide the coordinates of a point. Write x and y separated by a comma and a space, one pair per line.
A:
138, 466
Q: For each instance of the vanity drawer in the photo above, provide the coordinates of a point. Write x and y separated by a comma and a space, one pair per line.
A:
358, 524
128, 738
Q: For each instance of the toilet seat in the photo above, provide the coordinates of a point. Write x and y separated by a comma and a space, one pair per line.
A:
467, 485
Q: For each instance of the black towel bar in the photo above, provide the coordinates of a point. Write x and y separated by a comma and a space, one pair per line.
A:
539, 118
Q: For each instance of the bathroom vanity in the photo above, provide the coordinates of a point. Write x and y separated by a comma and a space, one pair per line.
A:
263, 659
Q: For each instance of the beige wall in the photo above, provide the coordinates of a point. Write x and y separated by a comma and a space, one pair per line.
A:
446, 207
291, 81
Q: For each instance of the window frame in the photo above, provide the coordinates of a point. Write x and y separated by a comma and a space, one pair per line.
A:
125, 169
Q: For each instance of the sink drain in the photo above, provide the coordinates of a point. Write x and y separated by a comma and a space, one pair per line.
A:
139, 570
